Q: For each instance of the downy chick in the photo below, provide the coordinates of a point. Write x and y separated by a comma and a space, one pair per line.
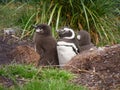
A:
45, 45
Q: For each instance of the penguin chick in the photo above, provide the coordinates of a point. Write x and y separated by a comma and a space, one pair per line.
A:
67, 46
45, 45
84, 40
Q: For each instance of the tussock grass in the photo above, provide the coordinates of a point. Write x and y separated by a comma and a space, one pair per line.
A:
99, 17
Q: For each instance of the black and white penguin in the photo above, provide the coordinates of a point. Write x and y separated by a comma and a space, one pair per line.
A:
45, 45
84, 40
67, 46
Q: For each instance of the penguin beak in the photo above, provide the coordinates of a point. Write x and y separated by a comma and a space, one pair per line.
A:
34, 26
57, 31
78, 37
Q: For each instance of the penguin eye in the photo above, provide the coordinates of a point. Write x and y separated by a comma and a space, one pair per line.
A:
67, 30
39, 30
78, 37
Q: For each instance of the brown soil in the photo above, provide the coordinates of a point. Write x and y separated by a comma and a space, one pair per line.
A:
6, 82
4, 49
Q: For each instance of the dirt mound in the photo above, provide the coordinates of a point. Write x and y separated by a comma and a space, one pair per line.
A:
98, 69
7, 44
25, 54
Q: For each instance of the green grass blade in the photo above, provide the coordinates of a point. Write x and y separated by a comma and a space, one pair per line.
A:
58, 17
27, 25
86, 14
20, 7
8, 4
51, 15
94, 19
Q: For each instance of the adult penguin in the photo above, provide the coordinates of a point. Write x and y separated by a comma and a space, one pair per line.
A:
67, 45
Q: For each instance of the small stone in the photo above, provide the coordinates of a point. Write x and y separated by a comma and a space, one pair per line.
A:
9, 31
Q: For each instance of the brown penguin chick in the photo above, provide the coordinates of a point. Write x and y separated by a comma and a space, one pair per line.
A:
84, 40
45, 45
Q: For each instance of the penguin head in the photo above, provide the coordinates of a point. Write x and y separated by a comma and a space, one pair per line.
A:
42, 29
66, 33
83, 37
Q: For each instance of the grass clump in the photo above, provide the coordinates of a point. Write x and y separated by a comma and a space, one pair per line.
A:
38, 78
18, 70
51, 85
56, 74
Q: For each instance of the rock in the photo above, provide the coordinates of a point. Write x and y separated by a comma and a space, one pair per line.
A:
103, 63
9, 31
25, 54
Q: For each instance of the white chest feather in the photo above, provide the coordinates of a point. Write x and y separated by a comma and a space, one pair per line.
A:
65, 52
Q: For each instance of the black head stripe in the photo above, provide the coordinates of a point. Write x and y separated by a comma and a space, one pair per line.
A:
76, 51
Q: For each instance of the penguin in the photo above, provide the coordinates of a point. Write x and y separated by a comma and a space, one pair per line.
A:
84, 40
67, 45
45, 45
